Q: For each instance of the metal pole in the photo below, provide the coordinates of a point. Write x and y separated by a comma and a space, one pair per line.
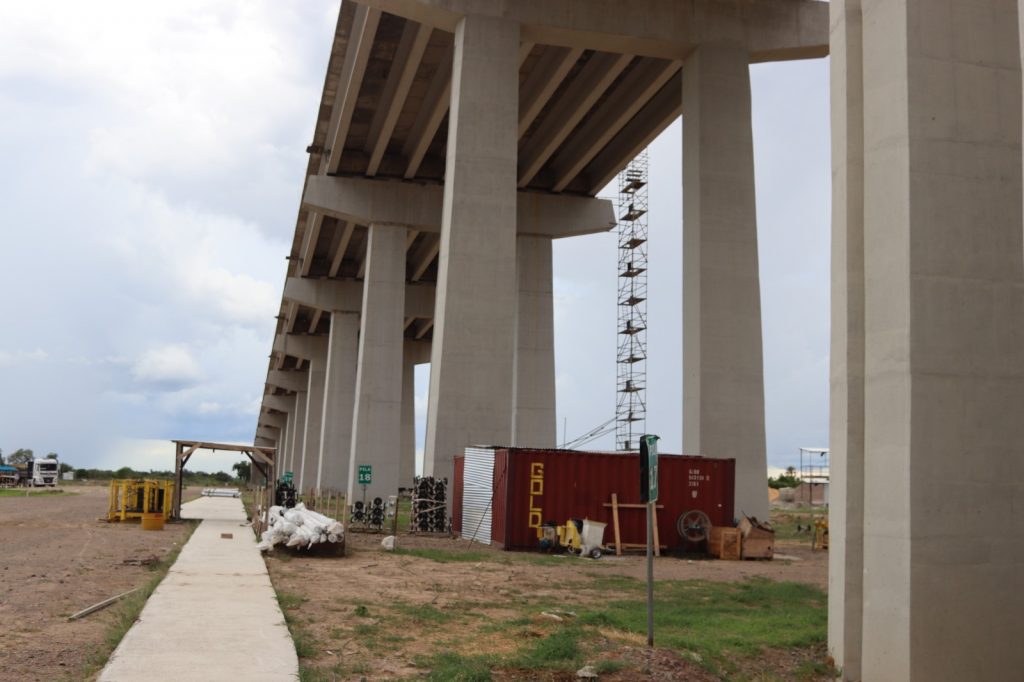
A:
650, 574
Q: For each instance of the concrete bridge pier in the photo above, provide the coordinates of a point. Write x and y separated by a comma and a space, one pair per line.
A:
339, 399
474, 336
376, 419
723, 377
533, 389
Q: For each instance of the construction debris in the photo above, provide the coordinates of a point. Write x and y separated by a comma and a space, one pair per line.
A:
101, 605
429, 513
221, 492
300, 527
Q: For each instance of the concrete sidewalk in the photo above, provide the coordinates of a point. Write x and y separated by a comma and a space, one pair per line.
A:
215, 616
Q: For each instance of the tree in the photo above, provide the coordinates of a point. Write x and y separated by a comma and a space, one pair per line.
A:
243, 470
791, 471
20, 456
65, 467
1, 456
51, 455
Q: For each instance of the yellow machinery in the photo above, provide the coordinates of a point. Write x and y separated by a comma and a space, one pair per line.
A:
820, 539
577, 536
131, 499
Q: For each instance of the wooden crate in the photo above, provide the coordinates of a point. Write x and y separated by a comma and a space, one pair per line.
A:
756, 546
758, 540
725, 543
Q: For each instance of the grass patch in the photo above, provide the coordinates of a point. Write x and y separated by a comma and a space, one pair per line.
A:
445, 556
423, 613
558, 651
127, 611
720, 621
451, 667
786, 521
288, 601
30, 492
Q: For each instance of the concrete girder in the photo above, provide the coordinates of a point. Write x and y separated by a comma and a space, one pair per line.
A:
411, 47
268, 432
282, 403
314, 321
309, 239
424, 256
364, 30
365, 200
432, 111
276, 420
626, 99
425, 327
543, 81
663, 109
347, 295
347, 229
570, 108
264, 441
417, 352
300, 346
770, 30
294, 380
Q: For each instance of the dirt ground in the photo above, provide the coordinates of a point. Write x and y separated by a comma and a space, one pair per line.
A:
346, 607
56, 558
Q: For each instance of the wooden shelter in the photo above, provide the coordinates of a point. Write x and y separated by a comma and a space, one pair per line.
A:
264, 460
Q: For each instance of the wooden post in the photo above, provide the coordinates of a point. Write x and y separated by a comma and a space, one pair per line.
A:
615, 524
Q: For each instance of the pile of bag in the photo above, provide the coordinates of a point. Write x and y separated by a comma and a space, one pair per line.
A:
299, 527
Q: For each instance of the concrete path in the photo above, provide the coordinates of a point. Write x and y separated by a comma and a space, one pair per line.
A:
215, 616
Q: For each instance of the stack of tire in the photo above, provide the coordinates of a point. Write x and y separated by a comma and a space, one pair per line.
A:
428, 505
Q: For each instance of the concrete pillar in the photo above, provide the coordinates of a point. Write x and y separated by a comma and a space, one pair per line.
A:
295, 449
723, 377
471, 358
376, 438
339, 400
944, 341
533, 387
314, 417
281, 456
846, 407
407, 448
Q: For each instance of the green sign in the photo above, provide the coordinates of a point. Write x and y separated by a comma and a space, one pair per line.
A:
649, 468
365, 474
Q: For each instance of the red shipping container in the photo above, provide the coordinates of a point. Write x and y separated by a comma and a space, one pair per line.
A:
531, 487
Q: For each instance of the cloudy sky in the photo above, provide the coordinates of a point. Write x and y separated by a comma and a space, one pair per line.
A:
151, 162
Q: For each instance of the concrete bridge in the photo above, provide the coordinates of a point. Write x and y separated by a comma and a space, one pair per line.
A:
456, 138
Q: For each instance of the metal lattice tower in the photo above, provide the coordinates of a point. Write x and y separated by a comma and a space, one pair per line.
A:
631, 382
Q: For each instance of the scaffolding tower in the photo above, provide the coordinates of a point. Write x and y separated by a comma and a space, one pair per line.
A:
631, 358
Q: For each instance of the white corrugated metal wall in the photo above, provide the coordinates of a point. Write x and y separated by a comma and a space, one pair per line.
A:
477, 494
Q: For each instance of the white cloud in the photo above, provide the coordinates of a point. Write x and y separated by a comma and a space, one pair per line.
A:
170, 367
11, 357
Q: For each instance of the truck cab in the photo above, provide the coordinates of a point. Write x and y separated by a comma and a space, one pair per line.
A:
41, 472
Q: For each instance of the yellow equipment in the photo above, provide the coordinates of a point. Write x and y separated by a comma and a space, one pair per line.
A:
576, 536
131, 499
820, 539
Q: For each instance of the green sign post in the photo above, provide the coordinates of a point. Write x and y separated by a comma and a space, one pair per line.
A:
649, 468
649, 494
365, 474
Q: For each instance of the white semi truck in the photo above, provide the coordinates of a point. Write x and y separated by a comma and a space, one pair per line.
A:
39, 473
